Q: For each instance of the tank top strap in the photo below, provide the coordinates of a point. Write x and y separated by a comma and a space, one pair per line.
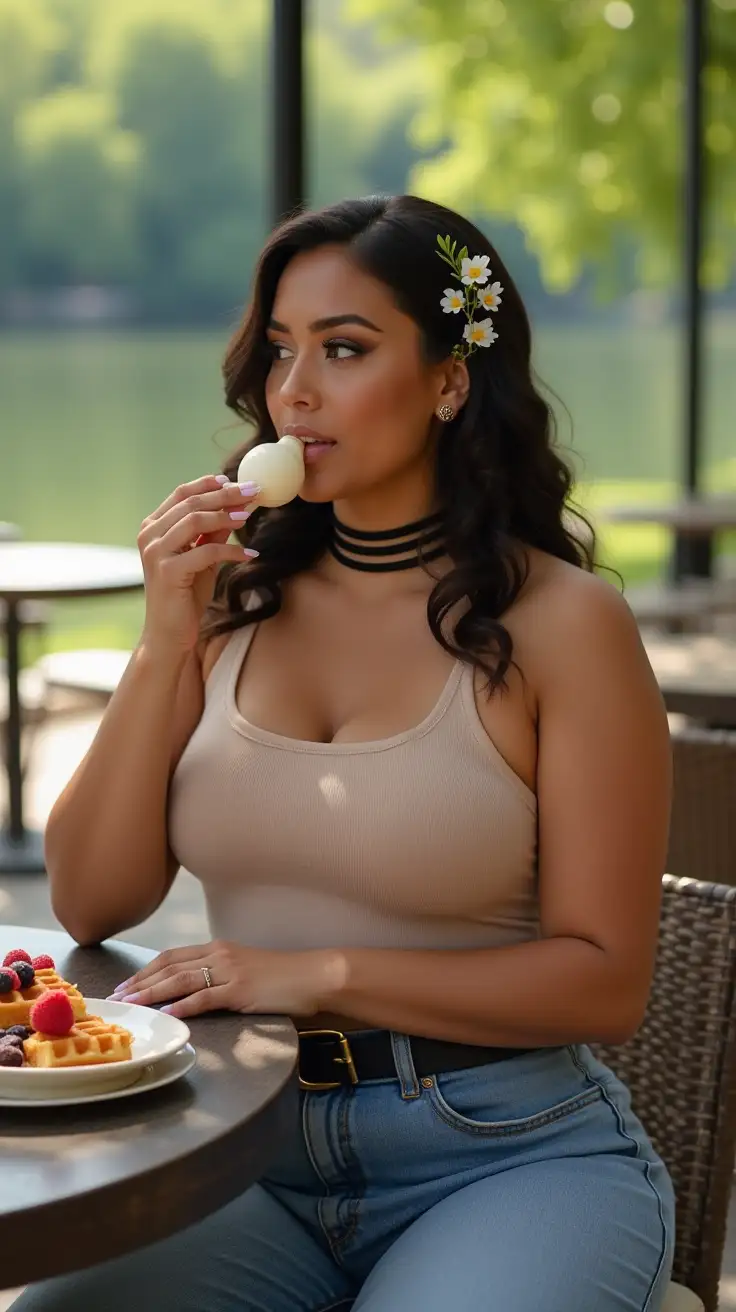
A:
232, 656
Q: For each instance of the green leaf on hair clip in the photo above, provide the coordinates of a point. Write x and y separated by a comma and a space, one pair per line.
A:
451, 263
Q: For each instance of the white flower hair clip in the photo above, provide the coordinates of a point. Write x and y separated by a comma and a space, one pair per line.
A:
473, 274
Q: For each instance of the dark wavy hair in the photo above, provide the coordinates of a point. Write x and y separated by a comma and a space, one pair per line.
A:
502, 481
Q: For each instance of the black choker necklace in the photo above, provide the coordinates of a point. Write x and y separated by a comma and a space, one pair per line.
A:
399, 547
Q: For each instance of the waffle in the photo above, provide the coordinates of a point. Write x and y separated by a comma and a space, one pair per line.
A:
15, 1007
89, 1042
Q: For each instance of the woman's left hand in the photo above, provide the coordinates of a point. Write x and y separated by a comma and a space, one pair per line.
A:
216, 976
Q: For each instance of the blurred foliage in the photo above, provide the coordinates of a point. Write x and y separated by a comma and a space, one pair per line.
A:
134, 146
135, 155
76, 172
567, 117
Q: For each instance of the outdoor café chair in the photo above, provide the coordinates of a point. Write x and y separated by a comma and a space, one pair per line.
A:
681, 1070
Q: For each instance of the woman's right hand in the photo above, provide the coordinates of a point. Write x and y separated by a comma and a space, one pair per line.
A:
179, 576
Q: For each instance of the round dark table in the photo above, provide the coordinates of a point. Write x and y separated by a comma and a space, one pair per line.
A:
696, 521
46, 571
83, 1184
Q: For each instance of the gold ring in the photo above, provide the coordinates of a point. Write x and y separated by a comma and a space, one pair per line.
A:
207, 977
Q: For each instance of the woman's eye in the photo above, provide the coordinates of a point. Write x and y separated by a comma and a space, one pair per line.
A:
335, 350
341, 350
279, 351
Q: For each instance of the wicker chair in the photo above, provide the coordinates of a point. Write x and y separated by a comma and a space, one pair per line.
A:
703, 827
681, 1070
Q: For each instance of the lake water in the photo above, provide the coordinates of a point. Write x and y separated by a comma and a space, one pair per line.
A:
97, 428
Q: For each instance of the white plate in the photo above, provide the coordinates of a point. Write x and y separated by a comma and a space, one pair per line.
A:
151, 1077
155, 1036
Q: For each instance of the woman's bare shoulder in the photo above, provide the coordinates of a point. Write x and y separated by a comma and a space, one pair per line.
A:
566, 615
551, 582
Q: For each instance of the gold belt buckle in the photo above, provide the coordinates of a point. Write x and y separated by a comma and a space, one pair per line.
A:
346, 1059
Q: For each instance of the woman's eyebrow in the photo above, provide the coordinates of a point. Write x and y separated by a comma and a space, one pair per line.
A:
334, 321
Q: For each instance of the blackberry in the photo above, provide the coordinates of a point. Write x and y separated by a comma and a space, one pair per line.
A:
6, 982
22, 1031
26, 974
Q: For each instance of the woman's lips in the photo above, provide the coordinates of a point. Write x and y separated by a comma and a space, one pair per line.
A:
304, 433
314, 444
314, 451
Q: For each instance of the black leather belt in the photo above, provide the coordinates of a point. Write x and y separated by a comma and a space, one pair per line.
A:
329, 1059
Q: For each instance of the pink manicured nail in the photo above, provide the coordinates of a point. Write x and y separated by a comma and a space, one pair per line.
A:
131, 997
240, 514
222, 479
248, 551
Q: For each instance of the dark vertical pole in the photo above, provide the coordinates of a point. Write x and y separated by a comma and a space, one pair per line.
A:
287, 100
693, 555
694, 57
13, 728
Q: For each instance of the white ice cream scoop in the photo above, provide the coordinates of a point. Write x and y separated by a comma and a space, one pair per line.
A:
277, 468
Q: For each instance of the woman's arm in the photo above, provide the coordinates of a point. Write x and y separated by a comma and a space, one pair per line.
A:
604, 779
107, 853
107, 844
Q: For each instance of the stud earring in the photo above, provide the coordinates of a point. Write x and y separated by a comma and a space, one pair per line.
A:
446, 413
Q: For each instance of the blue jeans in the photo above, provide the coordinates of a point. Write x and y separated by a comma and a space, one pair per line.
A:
523, 1186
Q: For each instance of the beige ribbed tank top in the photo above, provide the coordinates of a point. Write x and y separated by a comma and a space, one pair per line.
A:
426, 839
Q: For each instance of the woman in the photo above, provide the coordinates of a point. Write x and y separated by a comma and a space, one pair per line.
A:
415, 753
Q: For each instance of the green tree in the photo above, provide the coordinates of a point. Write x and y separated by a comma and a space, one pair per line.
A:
173, 94
79, 220
566, 117
74, 20
360, 103
135, 147
28, 41
187, 84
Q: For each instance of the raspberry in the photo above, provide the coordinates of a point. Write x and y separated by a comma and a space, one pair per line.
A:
9, 980
43, 962
26, 974
18, 954
10, 1055
52, 1014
